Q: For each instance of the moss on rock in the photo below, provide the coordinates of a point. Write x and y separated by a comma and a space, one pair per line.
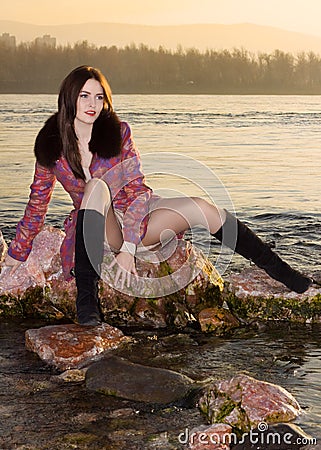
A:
275, 308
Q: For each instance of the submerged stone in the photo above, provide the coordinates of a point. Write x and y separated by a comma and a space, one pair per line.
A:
73, 346
243, 402
122, 378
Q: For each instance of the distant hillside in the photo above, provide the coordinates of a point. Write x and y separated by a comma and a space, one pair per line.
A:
248, 36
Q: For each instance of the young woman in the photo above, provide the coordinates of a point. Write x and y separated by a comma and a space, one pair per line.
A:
91, 153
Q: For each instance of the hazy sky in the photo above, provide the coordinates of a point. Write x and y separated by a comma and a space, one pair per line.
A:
297, 15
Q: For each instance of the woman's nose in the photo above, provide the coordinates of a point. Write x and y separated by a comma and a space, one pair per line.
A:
92, 102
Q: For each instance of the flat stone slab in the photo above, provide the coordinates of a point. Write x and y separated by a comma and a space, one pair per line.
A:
73, 346
253, 295
255, 282
122, 378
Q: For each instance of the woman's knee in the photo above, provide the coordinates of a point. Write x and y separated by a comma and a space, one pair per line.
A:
94, 184
213, 215
203, 206
96, 195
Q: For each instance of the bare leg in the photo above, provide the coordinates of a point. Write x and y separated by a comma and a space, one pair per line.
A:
174, 215
178, 214
97, 197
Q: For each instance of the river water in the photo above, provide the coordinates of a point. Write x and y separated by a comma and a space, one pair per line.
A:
256, 155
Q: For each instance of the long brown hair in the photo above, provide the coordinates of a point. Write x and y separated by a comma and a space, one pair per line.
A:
67, 109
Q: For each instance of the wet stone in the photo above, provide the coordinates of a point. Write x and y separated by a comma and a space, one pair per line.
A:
217, 320
72, 375
253, 295
256, 283
244, 402
122, 378
73, 346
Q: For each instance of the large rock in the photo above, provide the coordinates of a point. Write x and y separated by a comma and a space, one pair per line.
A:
42, 264
122, 378
174, 285
177, 285
73, 346
243, 402
252, 294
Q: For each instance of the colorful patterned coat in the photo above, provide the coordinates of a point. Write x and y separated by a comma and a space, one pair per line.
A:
122, 173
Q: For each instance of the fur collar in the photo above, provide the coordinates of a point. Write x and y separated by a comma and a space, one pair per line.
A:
105, 139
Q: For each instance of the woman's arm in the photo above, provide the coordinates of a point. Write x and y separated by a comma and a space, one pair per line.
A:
131, 182
34, 216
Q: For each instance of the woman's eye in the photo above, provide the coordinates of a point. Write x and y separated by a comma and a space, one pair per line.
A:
83, 95
100, 97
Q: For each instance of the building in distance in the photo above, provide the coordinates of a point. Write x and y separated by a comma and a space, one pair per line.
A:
46, 41
7, 40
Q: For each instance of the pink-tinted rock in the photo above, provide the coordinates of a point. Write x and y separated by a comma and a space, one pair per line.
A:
255, 282
208, 437
149, 313
175, 283
217, 320
168, 292
42, 264
160, 277
243, 402
252, 294
73, 346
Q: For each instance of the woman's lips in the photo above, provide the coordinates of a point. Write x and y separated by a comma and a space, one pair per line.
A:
91, 113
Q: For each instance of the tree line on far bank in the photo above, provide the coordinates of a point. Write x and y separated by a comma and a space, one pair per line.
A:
29, 68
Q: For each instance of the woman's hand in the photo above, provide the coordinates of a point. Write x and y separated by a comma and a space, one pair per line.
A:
12, 263
125, 268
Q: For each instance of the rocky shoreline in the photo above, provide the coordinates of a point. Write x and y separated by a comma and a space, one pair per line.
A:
233, 406
183, 289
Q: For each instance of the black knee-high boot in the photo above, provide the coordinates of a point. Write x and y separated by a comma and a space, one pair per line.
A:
89, 248
237, 236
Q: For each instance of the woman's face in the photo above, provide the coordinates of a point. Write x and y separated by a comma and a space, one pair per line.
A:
90, 102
